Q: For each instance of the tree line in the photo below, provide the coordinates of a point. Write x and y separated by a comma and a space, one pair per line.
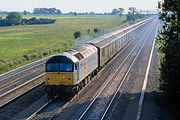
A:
14, 18
52, 11
134, 15
55, 11
168, 43
131, 16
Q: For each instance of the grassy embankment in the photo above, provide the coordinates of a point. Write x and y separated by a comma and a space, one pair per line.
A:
22, 44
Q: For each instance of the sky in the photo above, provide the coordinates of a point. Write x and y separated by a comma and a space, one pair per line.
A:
98, 6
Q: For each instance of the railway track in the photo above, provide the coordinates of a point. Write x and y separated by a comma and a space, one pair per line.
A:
10, 84
19, 81
40, 110
21, 69
99, 106
60, 109
16, 92
20, 73
120, 89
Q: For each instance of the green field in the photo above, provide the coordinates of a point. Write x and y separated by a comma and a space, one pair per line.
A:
22, 44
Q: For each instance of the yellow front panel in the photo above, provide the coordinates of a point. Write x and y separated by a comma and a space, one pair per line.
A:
59, 78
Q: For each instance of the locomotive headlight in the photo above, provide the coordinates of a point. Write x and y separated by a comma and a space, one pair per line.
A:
69, 77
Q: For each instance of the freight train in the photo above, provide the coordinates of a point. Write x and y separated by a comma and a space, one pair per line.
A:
68, 72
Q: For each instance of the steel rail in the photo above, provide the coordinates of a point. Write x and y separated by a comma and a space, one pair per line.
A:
120, 86
20, 72
18, 79
27, 65
108, 80
20, 90
40, 109
140, 104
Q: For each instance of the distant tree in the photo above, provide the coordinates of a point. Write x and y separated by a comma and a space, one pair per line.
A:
75, 13
14, 18
91, 13
114, 12
25, 12
118, 11
77, 34
58, 11
121, 10
132, 9
107, 13
70, 13
131, 16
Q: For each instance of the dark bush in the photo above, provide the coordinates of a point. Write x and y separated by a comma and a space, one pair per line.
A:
34, 20
24, 21
5, 22
77, 34
47, 21
96, 30
15, 19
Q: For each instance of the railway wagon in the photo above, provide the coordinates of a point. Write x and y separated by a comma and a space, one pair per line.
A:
70, 71
108, 46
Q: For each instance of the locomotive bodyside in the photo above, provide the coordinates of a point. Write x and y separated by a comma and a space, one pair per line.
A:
89, 63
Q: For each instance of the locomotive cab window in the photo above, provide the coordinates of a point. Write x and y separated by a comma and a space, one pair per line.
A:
66, 67
76, 66
52, 67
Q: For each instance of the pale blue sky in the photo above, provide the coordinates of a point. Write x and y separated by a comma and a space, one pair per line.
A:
76, 5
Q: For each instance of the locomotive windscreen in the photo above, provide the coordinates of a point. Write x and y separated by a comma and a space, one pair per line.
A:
59, 64
66, 67
52, 67
59, 67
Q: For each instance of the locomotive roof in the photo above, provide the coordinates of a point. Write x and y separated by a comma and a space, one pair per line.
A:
85, 50
65, 57
74, 55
